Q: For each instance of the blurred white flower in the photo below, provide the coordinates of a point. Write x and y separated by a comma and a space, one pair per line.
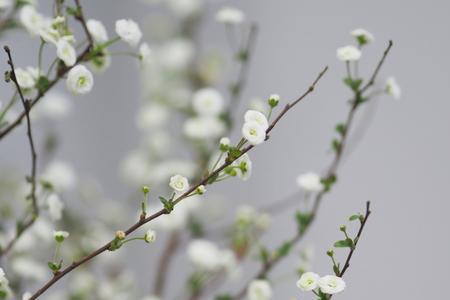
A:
245, 166
3, 279
185, 8
145, 52
79, 80
54, 105
204, 255
29, 269
66, 52
135, 168
263, 221
31, 19
151, 116
245, 214
60, 235
165, 169
61, 175
362, 36
259, 290
26, 296
348, 53
258, 117
129, 31
392, 88
208, 102
150, 236
97, 31
179, 183
151, 298
308, 281
177, 53
101, 62
204, 128
55, 206
48, 33
230, 15
24, 79
310, 182
254, 133
331, 284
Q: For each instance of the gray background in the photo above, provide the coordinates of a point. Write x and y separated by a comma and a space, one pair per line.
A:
401, 165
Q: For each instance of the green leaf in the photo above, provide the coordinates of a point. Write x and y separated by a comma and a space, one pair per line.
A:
73, 11
354, 217
264, 254
328, 182
340, 128
168, 205
353, 84
54, 267
284, 249
42, 84
233, 153
336, 145
303, 221
347, 243
223, 297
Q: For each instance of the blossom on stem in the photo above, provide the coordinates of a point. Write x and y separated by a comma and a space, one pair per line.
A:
362, 36
79, 80
348, 53
129, 31
208, 102
253, 132
392, 88
258, 117
24, 78
66, 52
308, 281
150, 236
97, 31
31, 19
179, 183
259, 290
310, 182
60, 236
230, 15
331, 284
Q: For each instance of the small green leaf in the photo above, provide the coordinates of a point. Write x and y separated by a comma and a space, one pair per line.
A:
223, 297
340, 128
354, 217
264, 254
353, 84
54, 267
303, 220
73, 11
284, 249
42, 84
347, 243
168, 205
336, 270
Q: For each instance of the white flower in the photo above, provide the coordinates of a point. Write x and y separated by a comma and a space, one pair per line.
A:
61, 175
331, 284
60, 236
204, 255
224, 143
54, 105
151, 116
3, 279
129, 31
24, 79
259, 105
207, 102
258, 117
200, 189
177, 54
26, 296
245, 166
246, 214
79, 80
259, 290
31, 19
150, 236
203, 128
362, 36
392, 88
55, 206
253, 132
230, 15
97, 31
348, 53
310, 182
66, 52
30, 269
185, 8
145, 52
48, 33
179, 183
308, 281
263, 221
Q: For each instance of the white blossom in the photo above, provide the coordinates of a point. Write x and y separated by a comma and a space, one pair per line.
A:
97, 31
54, 105
348, 53
48, 33
31, 19
179, 183
392, 88
24, 79
185, 8
331, 284
151, 116
208, 102
258, 117
150, 236
205, 255
253, 132
308, 281
246, 214
60, 235
66, 52
3, 279
177, 54
129, 31
30, 269
230, 15
362, 36
61, 175
55, 206
224, 142
145, 53
26, 296
259, 290
203, 128
79, 80
310, 182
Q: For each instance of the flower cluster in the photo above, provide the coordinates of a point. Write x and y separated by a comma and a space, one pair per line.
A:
255, 126
208, 257
329, 284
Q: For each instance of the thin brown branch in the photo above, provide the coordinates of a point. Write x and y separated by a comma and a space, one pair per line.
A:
80, 17
164, 263
378, 68
143, 221
330, 172
32, 178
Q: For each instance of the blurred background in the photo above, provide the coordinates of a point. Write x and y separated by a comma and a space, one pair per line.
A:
401, 164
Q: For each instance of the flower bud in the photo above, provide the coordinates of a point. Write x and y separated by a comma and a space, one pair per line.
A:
274, 99
201, 190
120, 235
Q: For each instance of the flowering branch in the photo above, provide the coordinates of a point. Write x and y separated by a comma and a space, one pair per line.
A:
144, 220
84, 55
330, 174
23, 226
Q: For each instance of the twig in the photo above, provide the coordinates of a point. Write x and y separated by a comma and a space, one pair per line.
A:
32, 178
164, 263
330, 172
377, 69
143, 221
80, 17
